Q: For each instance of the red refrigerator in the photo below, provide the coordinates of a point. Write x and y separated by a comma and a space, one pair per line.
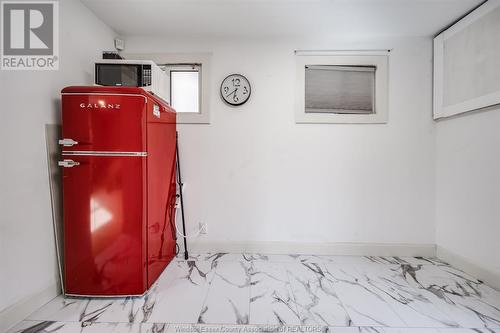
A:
119, 170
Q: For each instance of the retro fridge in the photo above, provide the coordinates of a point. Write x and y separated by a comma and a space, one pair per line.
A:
119, 191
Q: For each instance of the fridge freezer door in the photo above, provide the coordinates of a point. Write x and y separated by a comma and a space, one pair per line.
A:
103, 122
104, 226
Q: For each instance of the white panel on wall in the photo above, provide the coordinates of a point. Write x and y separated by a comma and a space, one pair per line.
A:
467, 63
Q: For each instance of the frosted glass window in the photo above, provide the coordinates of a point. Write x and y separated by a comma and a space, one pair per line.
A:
185, 91
340, 89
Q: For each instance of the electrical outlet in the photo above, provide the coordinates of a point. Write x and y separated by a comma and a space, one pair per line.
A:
203, 228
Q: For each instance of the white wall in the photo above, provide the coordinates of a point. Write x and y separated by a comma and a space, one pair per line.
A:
253, 175
29, 100
468, 190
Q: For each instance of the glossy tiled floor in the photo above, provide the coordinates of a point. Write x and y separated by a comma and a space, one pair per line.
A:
287, 293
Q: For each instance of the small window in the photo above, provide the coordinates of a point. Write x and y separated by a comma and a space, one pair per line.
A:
188, 85
184, 87
340, 89
185, 91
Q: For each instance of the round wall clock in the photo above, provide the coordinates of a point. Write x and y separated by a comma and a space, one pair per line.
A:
235, 89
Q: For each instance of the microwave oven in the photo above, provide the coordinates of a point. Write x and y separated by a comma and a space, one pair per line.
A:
132, 73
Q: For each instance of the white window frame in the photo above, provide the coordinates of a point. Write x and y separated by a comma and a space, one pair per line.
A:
480, 102
378, 59
204, 60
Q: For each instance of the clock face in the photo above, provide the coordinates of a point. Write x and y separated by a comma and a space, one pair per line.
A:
235, 89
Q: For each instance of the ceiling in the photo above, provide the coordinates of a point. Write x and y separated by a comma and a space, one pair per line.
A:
278, 18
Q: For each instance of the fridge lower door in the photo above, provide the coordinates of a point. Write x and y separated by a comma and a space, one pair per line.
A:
104, 199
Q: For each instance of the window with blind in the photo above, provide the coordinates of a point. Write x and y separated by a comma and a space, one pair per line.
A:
349, 87
340, 89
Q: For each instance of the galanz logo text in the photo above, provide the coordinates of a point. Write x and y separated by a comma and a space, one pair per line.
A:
100, 105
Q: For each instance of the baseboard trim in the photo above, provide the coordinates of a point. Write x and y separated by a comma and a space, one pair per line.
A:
22, 309
359, 249
489, 277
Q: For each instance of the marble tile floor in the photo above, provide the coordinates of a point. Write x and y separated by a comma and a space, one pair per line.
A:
240, 293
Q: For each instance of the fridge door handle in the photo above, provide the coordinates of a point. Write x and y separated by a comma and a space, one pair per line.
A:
67, 163
68, 142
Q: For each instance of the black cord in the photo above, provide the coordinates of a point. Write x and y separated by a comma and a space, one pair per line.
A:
170, 213
179, 181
